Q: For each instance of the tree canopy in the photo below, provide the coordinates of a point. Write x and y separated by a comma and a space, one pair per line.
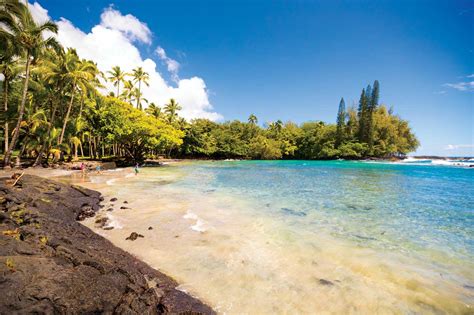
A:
56, 105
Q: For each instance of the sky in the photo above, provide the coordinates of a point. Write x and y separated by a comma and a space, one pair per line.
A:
289, 60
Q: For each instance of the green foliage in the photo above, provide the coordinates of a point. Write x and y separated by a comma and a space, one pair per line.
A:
52, 107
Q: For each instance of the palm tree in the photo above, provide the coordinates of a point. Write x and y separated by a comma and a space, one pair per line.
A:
117, 76
172, 109
82, 74
128, 90
19, 27
253, 120
140, 76
154, 110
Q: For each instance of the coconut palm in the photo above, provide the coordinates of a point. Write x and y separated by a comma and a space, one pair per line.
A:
20, 28
253, 119
171, 109
128, 91
140, 76
117, 76
154, 110
80, 77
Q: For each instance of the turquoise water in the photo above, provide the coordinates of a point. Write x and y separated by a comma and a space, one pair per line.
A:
266, 237
412, 209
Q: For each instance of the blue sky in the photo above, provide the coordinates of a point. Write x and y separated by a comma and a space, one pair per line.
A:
294, 60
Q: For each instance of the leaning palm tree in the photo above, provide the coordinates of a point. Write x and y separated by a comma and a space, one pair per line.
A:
171, 109
19, 27
140, 76
117, 76
80, 78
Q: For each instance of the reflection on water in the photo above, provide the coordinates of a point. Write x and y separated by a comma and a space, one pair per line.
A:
302, 237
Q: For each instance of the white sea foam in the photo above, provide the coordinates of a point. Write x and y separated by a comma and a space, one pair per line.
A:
129, 175
113, 222
198, 225
111, 181
190, 215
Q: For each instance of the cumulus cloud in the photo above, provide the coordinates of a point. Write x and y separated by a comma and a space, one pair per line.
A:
171, 64
127, 24
459, 146
112, 42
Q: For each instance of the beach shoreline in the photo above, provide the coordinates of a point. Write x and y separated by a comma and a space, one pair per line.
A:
50, 258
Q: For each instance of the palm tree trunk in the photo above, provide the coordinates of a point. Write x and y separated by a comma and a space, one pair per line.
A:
75, 151
16, 133
47, 141
5, 91
139, 94
67, 116
82, 151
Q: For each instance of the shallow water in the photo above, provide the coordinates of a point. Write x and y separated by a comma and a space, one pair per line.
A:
303, 237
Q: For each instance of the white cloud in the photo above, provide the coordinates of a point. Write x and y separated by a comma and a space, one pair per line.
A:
440, 92
40, 15
470, 76
111, 43
127, 24
171, 64
461, 86
458, 146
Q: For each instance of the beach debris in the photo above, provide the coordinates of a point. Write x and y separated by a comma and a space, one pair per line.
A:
113, 199
122, 207
325, 282
110, 209
150, 228
108, 228
17, 177
133, 236
125, 201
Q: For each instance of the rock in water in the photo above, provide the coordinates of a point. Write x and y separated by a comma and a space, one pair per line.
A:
133, 236
325, 282
150, 228
47, 258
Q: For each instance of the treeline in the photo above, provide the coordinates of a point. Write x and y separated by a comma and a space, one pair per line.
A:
54, 108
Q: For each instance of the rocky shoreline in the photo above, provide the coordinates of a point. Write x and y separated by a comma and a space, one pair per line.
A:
50, 263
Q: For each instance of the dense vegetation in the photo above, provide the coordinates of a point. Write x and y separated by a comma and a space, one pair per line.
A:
55, 106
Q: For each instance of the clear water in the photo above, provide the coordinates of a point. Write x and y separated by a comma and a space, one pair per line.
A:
263, 236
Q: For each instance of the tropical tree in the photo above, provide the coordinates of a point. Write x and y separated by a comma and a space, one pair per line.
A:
253, 119
20, 27
81, 75
117, 76
171, 109
154, 111
139, 76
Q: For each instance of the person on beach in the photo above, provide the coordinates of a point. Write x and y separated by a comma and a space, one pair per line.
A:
83, 168
136, 169
98, 169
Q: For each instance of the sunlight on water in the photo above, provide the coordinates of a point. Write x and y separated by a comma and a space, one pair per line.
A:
303, 237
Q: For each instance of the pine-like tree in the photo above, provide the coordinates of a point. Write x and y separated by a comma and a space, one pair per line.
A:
372, 107
362, 114
341, 122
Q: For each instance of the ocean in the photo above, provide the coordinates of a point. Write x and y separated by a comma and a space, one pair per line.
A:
303, 237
